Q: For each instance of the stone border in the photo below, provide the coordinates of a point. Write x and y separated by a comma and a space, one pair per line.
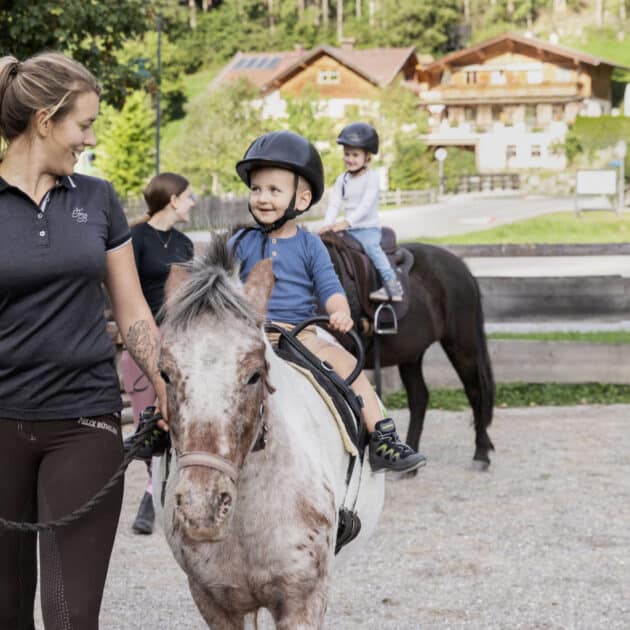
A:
528, 361
539, 249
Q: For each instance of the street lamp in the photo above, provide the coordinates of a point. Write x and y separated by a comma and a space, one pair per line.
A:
158, 81
440, 155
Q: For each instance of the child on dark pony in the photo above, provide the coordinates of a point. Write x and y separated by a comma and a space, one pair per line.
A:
357, 191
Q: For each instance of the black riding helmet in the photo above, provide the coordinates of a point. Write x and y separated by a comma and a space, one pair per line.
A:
289, 150
359, 135
285, 149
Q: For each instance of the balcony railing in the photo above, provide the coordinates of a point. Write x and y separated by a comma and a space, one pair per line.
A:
489, 93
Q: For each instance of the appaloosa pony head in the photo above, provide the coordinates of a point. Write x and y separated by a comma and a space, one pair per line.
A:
213, 361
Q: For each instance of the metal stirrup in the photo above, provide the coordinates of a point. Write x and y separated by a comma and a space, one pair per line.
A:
378, 314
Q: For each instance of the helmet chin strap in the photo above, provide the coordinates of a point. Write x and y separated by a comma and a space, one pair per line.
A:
357, 170
289, 213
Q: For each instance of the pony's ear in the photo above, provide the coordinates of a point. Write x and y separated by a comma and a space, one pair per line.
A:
259, 285
177, 275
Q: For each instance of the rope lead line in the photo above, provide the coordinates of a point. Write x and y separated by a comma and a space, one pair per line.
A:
96, 499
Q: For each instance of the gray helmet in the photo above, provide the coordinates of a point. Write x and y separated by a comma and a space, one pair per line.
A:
289, 150
359, 135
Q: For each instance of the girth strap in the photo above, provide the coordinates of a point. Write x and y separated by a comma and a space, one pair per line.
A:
209, 460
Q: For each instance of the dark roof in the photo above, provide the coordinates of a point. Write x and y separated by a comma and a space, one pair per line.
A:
270, 69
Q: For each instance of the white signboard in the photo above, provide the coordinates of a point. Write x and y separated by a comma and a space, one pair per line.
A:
596, 182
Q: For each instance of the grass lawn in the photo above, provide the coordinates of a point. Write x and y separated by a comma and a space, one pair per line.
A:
559, 227
525, 395
605, 336
601, 43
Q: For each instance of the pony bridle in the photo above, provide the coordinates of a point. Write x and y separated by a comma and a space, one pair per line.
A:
217, 462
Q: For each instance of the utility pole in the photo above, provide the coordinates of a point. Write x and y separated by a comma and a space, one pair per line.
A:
158, 81
621, 148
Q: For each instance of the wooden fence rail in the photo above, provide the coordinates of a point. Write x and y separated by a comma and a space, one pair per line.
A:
487, 181
217, 212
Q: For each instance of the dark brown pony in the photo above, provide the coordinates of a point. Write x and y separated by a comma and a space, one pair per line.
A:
444, 306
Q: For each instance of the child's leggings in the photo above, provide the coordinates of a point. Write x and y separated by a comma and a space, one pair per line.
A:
370, 238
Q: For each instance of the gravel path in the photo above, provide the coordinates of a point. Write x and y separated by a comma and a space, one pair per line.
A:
542, 540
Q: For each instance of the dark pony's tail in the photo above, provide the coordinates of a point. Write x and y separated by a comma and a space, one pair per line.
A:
486, 399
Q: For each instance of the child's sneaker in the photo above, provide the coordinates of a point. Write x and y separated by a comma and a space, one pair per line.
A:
395, 292
387, 452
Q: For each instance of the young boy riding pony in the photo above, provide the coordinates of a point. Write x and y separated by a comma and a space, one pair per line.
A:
285, 175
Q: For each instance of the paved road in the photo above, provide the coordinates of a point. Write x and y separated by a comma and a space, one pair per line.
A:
457, 214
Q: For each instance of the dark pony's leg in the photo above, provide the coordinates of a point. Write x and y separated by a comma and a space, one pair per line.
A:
467, 350
417, 397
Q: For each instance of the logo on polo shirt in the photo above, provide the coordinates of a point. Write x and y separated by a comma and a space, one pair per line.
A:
79, 215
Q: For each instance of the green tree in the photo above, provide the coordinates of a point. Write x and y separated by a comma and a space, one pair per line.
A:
306, 116
90, 31
217, 131
400, 125
407, 22
141, 55
411, 168
125, 153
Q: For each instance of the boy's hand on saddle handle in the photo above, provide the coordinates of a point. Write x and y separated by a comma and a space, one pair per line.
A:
341, 321
339, 226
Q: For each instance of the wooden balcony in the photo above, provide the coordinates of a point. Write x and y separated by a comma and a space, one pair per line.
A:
474, 94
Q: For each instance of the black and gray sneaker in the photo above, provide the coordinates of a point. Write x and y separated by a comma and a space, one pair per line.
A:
153, 443
387, 452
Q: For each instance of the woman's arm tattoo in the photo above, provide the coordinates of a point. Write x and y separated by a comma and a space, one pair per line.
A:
143, 347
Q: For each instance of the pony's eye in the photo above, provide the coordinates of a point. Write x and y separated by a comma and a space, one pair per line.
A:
165, 376
254, 378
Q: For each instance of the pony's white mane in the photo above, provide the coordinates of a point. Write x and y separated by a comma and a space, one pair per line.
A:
212, 288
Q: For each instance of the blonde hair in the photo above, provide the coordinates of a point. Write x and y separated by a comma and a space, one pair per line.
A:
47, 81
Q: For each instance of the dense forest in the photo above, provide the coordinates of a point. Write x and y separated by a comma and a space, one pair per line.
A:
118, 41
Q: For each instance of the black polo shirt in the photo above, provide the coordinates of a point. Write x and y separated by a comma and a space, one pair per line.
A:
56, 358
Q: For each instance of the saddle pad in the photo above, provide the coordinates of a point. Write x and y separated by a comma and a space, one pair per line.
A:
348, 445
358, 275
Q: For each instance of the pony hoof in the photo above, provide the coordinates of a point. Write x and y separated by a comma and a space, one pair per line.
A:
480, 466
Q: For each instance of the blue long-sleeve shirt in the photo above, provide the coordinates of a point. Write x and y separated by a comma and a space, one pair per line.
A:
302, 268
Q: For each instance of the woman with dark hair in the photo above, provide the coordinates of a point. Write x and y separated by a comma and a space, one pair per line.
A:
63, 235
156, 246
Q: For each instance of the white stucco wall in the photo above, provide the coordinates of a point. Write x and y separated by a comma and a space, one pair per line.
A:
274, 106
491, 153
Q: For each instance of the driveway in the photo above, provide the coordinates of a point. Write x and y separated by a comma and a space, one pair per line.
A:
457, 214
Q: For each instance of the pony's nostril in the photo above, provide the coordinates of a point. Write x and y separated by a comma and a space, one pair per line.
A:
178, 499
225, 502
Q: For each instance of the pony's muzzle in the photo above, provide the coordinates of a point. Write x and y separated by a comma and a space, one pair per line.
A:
204, 503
